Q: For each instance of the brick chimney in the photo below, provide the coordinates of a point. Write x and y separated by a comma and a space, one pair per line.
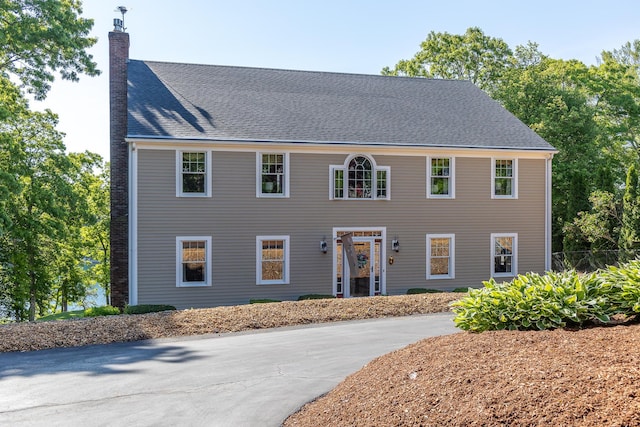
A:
119, 153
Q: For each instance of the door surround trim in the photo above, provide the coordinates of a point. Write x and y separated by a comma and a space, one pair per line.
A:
383, 254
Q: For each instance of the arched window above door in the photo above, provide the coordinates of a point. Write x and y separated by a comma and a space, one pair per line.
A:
359, 178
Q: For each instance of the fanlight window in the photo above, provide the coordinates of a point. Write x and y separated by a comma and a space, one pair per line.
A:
360, 178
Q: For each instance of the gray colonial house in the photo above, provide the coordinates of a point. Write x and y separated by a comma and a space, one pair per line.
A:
233, 183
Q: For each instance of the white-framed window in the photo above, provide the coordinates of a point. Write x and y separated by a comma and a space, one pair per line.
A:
359, 178
504, 178
193, 173
504, 254
440, 256
272, 255
272, 175
193, 261
441, 177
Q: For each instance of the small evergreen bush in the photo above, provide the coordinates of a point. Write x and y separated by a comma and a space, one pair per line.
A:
461, 290
105, 310
147, 308
314, 296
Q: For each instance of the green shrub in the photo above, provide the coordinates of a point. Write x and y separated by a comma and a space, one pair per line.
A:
105, 310
414, 291
262, 300
462, 290
314, 296
622, 285
147, 308
533, 301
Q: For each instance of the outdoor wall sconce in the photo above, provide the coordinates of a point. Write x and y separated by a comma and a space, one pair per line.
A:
323, 245
395, 245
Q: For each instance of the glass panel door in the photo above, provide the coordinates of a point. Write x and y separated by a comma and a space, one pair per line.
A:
360, 281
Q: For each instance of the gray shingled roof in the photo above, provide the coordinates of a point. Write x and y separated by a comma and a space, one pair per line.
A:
185, 101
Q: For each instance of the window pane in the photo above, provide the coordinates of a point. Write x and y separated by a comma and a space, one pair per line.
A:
193, 183
504, 178
439, 167
503, 186
193, 172
503, 258
338, 183
440, 255
272, 260
273, 173
360, 178
440, 172
440, 186
193, 261
381, 183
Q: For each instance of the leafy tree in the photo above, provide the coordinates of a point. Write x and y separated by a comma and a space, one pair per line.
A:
630, 230
472, 56
549, 96
615, 86
96, 235
43, 209
600, 225
40, 37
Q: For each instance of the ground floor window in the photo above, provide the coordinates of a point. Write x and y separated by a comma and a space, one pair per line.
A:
440, 256
193, 265
272, 255
504, 254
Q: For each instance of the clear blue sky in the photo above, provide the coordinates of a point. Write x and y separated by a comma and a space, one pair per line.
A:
351, 36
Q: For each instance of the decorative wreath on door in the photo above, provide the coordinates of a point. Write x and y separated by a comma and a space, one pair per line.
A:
362, 260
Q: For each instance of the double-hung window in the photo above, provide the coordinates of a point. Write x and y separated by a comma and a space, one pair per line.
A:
272, 255
359, 178
504, 183
272, 174
504, 251
440, 256
193, 261
440, 173
193, 172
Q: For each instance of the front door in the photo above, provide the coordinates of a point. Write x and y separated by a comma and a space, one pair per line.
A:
366, 279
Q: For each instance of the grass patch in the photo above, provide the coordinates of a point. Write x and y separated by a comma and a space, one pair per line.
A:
75, 314
262, 300
105, 310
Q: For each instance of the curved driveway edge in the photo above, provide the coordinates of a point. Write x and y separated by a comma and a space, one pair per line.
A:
242, 379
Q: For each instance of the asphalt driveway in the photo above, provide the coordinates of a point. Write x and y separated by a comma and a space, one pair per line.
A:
242, 379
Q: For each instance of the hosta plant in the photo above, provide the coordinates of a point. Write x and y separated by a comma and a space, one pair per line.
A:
533, 301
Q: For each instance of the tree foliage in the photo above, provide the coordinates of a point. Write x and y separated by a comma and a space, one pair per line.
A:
40, 37
472, 56
45, 193
590, 114
45, 209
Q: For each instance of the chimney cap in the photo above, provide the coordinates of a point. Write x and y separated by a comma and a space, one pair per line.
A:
118, 24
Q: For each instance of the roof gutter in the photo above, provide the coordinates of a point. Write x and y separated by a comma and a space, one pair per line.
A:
134, 138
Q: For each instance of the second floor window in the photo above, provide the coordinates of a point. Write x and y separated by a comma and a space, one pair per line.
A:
360, 178
193, 172
504, 184
273, 175
440, 182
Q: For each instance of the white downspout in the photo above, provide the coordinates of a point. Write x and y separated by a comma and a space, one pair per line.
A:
133, 224
548, 217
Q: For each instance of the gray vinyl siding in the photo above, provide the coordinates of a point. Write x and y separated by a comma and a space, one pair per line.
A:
234, 216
